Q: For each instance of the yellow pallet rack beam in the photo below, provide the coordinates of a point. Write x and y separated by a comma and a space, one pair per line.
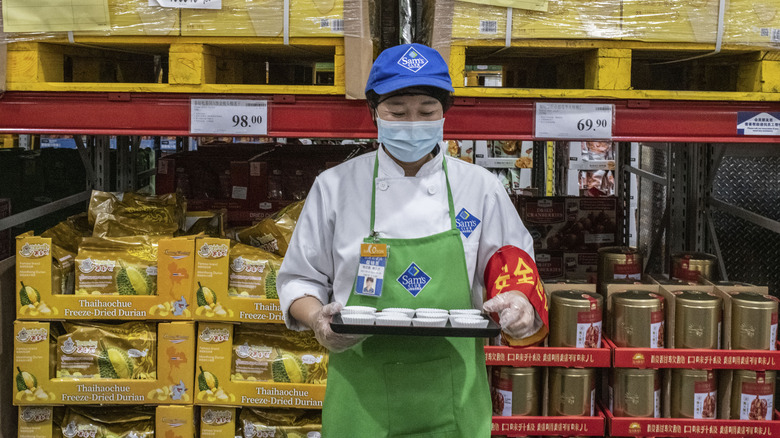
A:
611, 69
194, 65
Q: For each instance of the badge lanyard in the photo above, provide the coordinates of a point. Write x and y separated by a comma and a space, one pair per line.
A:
373, 254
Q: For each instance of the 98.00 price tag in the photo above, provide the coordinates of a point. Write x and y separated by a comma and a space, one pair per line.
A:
228, 117
590, 121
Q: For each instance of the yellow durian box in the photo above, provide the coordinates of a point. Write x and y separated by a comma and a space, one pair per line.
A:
116, 279
236, 284
86, 362
262, 365
168, 421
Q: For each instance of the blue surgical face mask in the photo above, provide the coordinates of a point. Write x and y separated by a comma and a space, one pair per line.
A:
410, 141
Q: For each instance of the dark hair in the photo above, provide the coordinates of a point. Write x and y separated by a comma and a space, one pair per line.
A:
440, 94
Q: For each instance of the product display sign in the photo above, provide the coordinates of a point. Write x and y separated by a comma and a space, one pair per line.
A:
754, 123
187, 4
592, 121
228, 117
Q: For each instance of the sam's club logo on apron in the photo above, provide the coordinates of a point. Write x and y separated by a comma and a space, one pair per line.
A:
466, 222
414, 279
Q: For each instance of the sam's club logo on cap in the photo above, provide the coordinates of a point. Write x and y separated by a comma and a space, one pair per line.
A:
414, 279
412, 60
466, 222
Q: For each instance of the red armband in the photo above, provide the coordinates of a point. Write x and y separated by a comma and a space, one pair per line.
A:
512, 269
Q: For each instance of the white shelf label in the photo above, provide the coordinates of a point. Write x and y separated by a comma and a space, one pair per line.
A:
753, 123
228, 117
187, 4
589, 121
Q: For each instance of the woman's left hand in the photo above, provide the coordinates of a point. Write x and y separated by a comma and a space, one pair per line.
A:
516, 314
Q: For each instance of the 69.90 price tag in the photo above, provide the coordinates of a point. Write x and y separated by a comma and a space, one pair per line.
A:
591, 121
228, 117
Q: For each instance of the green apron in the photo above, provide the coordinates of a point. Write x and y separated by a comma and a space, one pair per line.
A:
412, 386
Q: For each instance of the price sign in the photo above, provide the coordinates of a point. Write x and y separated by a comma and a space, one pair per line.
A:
590, 121
228, 117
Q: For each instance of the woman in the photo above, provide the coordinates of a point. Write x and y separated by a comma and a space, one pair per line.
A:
449, 231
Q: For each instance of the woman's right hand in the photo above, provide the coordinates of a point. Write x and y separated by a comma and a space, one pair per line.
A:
319, 321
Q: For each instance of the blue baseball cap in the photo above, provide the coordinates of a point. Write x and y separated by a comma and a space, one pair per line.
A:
408, 65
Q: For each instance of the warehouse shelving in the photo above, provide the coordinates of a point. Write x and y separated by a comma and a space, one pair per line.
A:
337, 117
597, 69
177, 65
290, 115
39, 100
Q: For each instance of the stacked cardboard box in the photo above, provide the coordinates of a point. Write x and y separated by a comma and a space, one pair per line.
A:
567, 232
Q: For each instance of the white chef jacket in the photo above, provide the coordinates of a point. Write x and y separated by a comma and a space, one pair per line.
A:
323, 255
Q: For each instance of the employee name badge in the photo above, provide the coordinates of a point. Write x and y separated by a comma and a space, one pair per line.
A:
371, 270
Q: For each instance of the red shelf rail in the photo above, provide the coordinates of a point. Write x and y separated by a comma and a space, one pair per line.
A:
690, 428
320, 116
694, 358
549, 356
558, 426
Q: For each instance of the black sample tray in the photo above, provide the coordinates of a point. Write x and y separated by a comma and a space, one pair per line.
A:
492, 329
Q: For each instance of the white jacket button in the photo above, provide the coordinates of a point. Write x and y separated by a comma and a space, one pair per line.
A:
432, 190
383, 185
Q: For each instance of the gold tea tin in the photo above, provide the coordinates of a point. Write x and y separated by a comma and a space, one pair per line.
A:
575, 319
693, 267
638, 319
752, 395
572, 391
617, 263
694, 394
753, 321
635, 393
697, 318
516, 391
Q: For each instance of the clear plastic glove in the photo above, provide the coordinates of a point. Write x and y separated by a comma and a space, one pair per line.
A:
516, 314
335, 342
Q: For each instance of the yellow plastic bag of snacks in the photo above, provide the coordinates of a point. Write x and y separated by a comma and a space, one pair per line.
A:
253, 272
114, 422
291, 422
272, 353
117, 265
107, 351
274, 233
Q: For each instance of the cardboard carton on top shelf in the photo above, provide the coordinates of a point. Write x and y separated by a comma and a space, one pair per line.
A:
140, 18
572, 19
755, 22
647, 20
553, 19
265, 18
